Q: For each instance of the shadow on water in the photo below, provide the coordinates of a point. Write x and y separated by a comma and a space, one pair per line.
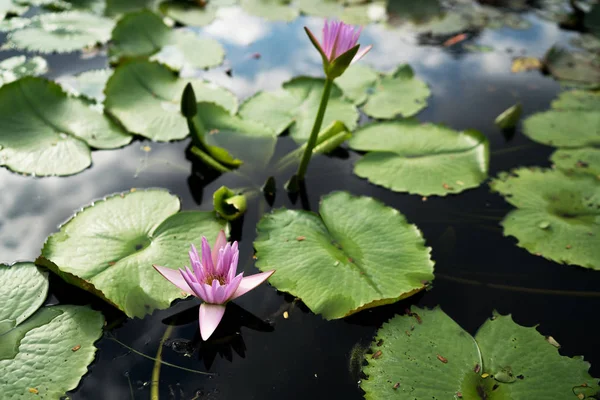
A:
270, 346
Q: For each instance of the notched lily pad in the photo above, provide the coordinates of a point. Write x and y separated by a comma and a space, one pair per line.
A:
356, 254
585, 160
503, 361
109, 248
89, 84
557, 215
17, 67
295, 106
576, 67
424, 159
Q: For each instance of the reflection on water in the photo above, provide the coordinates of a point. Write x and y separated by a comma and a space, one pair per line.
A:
264, 355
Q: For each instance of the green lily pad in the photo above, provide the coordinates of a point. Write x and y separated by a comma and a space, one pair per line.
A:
574, 122
89, 84
109, 248
585, 160
273, 10
357, 82
295, 106
144, 33
47, 355
189, 13
46, 132
364, 14
145, 97
60, 32
427, 355
509, 118
357, 254
578, 67
115, 8
321, 8
23, 291
424, 159
399, 93
14, 68
557, 215
229, 204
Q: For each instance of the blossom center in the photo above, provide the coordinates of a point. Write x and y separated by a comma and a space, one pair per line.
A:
219, 278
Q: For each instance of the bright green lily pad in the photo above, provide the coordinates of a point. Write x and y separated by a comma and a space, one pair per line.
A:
399, 93
357, 81
557, 215
145, 97
144, 33
60, 32
273, 10
358, 253
577, 100
24, 289
14, 68
89, 84
46, 356
509, 118
424, 159
295, 106
584, 160
426, 355
46, 132
109, 248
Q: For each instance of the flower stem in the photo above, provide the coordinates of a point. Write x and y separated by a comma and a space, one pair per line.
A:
312, 140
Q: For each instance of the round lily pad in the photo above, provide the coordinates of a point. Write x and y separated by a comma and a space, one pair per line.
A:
23, 291
295, 106
45, 132
585, 160
357, 82
144, 33
425, 355
146, 97
47, 355
557, 215
16, 67
61, 32
356, 254
424, 159
110, 246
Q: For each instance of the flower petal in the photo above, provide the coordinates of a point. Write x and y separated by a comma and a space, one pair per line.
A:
219, 243
196, 265
361, 54
250, 282
175, 277
207, 258
233, 285
233, 263
209, 317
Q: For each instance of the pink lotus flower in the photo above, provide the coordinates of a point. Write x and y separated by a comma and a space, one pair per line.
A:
339, 48
213, 280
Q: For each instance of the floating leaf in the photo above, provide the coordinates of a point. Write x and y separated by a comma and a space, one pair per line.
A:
295, 106
274, 10
60, 32
577, 100
117, 7
357, 82
356, 254
364, 14
144, 33
229, 204
424, 159
569, 203
145, 97
575, 67
17, 67
24, 289
523, 64
109, 248
399, 93
89, 84
45, 132
425, 355
585, 160
509, 118
189, 13
321, 8
38, 358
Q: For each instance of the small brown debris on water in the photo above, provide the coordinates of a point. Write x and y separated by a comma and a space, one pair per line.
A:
424, 198
477, 368
132, 190
442, 359
147, 148
552, 341
75, 348
459, 395
407, 333
582, 164
350, 260
256, 56
300, 238
447, 187
33, 390
213, 131
379, 342
521, 377
581, 396
254, 256
396, 385
568, 247
111, 263
456, 39
377, 354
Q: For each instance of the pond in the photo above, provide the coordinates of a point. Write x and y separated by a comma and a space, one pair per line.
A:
270, 345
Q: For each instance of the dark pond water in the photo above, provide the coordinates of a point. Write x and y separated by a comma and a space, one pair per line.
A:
257, 353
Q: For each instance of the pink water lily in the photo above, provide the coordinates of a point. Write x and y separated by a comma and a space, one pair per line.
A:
213, 280
339, 46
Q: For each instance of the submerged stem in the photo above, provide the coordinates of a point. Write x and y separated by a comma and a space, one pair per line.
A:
312, 140
154, 394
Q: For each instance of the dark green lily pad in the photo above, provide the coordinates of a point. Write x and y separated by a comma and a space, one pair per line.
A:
557, 215
427, 355
144, 33
145, 97
17, 67
577, 67
23, 291
424, 159
584, 160
295, 106
109, 248
46, 132
356, 254
60, 32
